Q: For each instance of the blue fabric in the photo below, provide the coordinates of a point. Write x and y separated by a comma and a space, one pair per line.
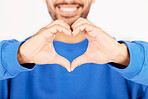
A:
88, 81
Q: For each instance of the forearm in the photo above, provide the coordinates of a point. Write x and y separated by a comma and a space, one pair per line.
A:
137, 70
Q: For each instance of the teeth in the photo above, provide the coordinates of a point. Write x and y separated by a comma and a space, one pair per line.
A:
68, 9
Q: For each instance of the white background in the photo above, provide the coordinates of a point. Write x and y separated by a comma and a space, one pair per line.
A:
122, 19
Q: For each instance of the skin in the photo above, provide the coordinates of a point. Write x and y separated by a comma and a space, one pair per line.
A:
39, 48
55, 14
102, 48
81, 13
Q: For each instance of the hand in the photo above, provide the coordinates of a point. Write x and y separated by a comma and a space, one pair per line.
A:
39, 48
102, 48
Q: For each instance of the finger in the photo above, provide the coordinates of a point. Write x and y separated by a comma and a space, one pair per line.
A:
62, 61
47, 33
61, 23
80, 22
57, 28
85, 27
76, 22
79, 61
66, 25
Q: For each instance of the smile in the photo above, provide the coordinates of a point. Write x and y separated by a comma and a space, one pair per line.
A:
68, 9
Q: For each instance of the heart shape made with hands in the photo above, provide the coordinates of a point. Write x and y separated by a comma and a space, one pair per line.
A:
102, 48
98, 50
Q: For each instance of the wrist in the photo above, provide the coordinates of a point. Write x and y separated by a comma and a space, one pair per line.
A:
21, 58
123, 56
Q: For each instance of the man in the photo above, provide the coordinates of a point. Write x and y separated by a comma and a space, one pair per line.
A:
106, 69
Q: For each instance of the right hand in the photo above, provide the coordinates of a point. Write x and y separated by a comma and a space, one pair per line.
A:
39, 48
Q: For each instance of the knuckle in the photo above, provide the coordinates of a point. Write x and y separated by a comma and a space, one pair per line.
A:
59, 21
55, 22
85, 24
55, 26
81, 18
58, 25
41, 30
52, 22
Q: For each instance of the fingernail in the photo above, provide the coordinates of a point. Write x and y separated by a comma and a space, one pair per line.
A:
70, 33
73, 34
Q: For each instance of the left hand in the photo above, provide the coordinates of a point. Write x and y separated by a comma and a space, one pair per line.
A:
102, 48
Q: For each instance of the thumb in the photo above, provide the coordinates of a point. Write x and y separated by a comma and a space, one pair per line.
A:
62, 61
79, 61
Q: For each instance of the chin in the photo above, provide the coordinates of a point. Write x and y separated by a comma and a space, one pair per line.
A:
70, 23
69, 20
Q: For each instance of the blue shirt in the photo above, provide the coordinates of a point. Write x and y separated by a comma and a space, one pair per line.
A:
88, 81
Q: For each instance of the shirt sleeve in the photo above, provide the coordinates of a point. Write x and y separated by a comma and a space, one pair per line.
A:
145, 94
9, 65
137, 70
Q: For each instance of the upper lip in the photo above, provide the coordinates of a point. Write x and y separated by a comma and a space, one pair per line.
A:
58, 5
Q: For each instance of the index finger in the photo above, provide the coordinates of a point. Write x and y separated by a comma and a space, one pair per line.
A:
61, 23
80, 22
